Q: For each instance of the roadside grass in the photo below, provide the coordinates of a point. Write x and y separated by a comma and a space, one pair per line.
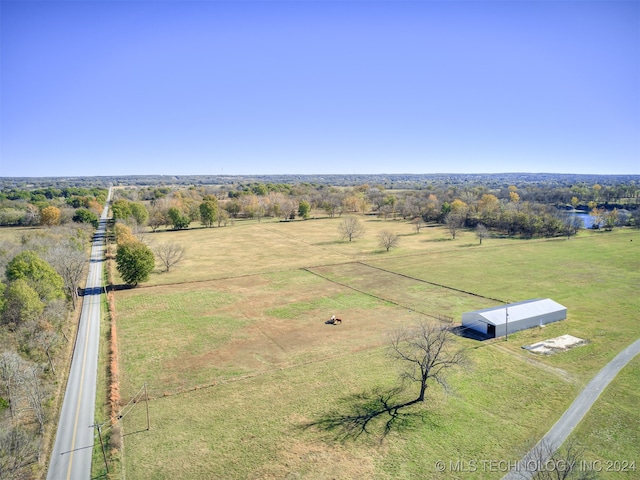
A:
238, 363
610, 429
98, 469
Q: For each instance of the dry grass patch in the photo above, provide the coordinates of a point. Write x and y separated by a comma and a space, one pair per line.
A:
249, 247
243, 249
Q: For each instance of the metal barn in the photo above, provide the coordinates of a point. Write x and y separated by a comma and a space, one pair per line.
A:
494, 321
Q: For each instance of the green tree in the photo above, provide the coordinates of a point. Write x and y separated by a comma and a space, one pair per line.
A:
209, 211
178, 219
139, 212
121, 209
233, 208
135, 262
40, 276
83, 215
21, 303
303, 209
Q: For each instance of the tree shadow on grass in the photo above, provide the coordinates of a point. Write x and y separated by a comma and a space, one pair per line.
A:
376, 412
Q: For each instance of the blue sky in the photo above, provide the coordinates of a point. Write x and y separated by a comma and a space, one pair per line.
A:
303, 87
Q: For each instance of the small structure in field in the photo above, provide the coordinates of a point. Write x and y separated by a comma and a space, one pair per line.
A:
499, 321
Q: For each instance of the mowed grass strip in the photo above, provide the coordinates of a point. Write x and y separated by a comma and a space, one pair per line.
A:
407, 292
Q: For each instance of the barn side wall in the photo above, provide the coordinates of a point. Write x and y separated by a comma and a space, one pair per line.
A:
474, 321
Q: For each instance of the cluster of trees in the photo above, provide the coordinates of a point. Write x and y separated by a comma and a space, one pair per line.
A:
51, 206
504, 210
39, 281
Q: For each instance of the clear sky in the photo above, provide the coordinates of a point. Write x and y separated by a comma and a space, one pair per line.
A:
301, 87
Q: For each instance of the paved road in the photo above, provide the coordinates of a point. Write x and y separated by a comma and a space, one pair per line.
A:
580, 406
73, 448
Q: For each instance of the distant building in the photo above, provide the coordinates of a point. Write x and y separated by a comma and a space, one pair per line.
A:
521, 315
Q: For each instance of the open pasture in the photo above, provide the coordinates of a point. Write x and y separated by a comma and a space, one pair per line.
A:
254, 427
247, 247
245, 359
596, 276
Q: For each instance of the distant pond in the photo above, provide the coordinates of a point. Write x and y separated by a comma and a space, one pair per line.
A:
587, 219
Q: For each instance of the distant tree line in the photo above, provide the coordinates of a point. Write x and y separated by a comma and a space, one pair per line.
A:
507, 210
51, 206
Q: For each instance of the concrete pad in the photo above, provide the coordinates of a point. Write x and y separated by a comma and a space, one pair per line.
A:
555, 345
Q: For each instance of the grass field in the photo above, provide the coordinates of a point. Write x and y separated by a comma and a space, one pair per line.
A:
234, 349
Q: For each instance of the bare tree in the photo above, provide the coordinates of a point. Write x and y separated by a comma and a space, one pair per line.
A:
454, 223
70, 263
417, 223
10, 375
548, 462
387, 239
142, 234
33, 392
350, 228
17, 451
482, 232
427, 352
571, 224
170, 254
288, 209
223, 217
47, 339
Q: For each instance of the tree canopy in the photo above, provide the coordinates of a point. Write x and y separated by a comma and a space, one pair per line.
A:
83, 215
50, 216
178, 219
38, 274
21, 303
209, 211
135, 262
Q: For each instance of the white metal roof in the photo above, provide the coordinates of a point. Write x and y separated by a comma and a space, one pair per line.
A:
519, 310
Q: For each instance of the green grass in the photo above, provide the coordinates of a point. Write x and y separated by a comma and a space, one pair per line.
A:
332, 304
610, 429
240, 360
254, 428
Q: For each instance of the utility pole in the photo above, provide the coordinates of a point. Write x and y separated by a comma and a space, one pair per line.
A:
104, 454
506, 324
146, 402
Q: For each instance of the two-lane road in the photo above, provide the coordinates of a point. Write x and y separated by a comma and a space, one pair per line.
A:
73, 448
